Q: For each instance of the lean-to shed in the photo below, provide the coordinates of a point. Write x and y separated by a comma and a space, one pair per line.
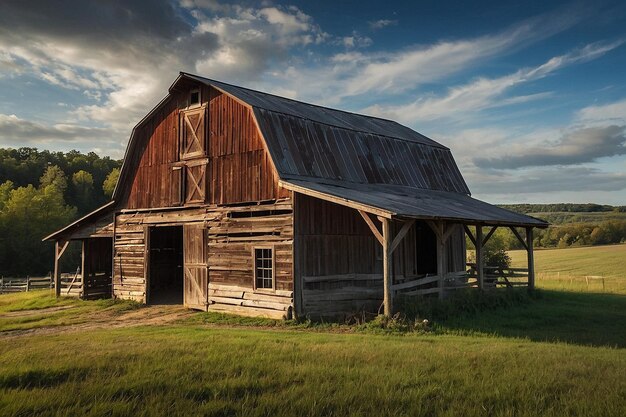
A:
234, 200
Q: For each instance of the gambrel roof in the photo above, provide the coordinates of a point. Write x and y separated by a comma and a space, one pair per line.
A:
361, 161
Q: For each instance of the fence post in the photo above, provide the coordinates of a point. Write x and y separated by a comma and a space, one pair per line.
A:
27, 283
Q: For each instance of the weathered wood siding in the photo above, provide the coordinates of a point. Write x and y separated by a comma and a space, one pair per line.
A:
340, 260
234, 166
240, 169
152, 159
231, 234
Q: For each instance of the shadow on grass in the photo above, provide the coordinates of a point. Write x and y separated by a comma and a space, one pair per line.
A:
590, 319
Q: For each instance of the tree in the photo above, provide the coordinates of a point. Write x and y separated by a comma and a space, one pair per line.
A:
109, 183
83, 190
54, 176
28, 215
5, 192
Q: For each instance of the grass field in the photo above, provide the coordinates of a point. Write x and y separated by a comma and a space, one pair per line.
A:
566, 269
557, 353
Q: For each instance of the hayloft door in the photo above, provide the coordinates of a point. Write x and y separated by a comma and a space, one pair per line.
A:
196, 282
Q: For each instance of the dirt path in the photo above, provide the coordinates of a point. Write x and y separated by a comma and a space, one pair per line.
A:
156, 315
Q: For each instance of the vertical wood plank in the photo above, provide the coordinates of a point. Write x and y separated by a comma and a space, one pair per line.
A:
441, 257
146, 262
531, 258
82, 267
57, 273
479, 257
297, 254
387, 264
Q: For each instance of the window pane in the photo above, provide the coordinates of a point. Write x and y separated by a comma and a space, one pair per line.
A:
263, 268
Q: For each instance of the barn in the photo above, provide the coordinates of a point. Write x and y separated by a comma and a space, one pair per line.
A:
239, 201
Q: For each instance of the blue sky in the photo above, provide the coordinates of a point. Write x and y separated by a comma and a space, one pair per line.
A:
530, 96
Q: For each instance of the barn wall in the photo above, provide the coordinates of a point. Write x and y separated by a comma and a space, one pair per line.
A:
232, 233
152, 159
339, 261
238, 168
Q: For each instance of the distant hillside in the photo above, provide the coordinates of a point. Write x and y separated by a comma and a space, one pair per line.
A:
563, 207
568, 213
571, 224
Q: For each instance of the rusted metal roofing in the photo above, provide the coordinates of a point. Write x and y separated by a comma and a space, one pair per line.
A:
411, 202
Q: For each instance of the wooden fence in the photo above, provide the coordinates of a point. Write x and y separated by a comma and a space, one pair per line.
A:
495, 276
9, 285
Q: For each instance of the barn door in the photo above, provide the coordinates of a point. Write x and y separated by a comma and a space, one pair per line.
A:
193, 133
195, 181
196, 282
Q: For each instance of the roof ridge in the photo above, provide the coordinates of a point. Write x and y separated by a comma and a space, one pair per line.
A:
434, 144
300, 101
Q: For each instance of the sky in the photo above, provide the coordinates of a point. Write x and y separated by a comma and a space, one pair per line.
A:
529, 96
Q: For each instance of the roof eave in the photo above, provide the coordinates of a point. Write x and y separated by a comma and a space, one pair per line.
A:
75, 223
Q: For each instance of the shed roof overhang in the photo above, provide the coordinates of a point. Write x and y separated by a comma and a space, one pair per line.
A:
86, 225
395, 201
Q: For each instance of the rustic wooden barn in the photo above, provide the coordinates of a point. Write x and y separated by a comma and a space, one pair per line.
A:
239, 201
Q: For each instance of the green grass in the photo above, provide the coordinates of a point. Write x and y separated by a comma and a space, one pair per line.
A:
63, 311
565, 269
555, 353
187, 370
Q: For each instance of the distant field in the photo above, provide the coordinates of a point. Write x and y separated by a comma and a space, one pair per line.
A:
567, 268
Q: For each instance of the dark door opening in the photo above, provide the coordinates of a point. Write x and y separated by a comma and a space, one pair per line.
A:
166, 265
426, 249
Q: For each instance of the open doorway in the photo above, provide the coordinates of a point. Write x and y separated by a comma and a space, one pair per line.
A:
166, 265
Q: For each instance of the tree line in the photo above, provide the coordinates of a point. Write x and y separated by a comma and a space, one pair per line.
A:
564, 207
571, 225
40, 192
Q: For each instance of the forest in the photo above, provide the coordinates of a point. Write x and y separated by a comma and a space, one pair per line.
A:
40, 192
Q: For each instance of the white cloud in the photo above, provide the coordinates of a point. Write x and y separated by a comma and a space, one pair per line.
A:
125, 56
485, 93
573, 148
19, 131
607, 113
354, 41
382, 23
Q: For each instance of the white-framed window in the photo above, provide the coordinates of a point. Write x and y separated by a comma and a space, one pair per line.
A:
263, 268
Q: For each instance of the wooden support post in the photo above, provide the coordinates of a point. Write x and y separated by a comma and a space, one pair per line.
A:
531, 258
387, 265
58, 252
479, 257
57, 273
82, 268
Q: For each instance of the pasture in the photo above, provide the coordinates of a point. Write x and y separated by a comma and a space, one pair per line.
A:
561, 352
566, 269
